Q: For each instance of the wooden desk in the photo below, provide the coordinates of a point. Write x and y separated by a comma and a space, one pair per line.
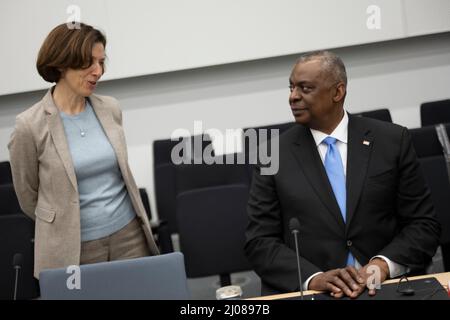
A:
443, 278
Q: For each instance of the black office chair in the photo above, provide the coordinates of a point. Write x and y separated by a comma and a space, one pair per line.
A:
17, 236
426, 142
5, 173
165, 176
431, 157
190, 177
435, 112
435, 172
212, 218
379, 114
9, 203
160, 229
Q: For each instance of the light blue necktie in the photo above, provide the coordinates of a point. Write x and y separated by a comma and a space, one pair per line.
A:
335, 171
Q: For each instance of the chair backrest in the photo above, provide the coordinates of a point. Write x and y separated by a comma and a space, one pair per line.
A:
380, 114
5, 173
162, 149
211, 224
431, 157
189, 177
9, 204
426, 142
160, 230
435, 172
435, 112
17, 236
160, 277
165, 176
146, 202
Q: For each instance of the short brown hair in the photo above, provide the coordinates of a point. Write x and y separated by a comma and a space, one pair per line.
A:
67, 47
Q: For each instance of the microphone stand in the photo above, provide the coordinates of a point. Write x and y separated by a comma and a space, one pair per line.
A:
295, 232
17, 264
17, 268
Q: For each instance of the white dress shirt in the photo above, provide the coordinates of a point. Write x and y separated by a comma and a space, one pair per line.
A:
341, 135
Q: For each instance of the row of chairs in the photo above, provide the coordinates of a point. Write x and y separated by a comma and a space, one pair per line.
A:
212, 243
431, 113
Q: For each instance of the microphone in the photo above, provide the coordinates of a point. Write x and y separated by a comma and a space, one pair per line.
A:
294, 226
408, 290
17, 264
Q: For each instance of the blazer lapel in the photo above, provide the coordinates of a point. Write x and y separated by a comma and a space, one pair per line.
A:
56, 128
360, 144
305, 150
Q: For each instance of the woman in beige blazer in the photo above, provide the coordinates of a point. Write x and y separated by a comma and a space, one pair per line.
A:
69, 161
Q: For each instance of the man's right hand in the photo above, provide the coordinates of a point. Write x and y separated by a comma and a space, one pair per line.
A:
339, 282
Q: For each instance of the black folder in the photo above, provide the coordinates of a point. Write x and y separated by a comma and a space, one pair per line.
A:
424, 289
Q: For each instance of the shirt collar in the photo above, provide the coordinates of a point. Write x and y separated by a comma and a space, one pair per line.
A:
340, 132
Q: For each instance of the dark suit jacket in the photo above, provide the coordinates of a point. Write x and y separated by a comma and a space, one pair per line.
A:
389, 209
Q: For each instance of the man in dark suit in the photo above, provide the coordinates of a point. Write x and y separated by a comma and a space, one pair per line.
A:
353, 183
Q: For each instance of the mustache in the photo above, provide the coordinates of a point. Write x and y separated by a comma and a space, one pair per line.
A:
297, 103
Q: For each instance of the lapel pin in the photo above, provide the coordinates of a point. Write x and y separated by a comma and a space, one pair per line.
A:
366, 143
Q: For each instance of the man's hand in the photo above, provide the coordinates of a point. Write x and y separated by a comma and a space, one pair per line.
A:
350, 282
339, 282
367, 271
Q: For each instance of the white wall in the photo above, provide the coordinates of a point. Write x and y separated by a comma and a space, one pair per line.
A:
153, 36
398, 75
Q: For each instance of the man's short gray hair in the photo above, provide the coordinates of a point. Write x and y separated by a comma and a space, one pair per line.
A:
331, 64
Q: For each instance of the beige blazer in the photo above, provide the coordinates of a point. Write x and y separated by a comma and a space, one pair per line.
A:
45, 181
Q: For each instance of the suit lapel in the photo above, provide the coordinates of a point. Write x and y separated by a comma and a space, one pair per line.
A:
56, 128
359, 146
305, 150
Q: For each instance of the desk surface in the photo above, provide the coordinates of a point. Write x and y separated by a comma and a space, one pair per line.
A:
443, 278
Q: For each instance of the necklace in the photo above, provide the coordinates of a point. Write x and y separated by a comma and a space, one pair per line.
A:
82, 131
